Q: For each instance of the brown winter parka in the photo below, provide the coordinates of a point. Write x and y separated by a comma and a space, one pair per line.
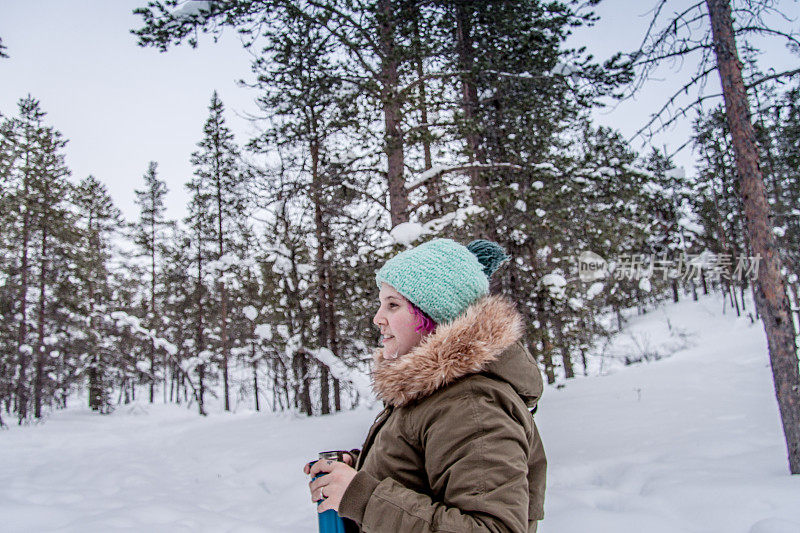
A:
456, 448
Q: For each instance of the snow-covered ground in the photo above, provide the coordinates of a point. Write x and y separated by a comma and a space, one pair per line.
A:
689, 443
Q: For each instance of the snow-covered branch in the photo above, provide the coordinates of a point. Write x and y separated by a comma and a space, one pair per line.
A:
438, 170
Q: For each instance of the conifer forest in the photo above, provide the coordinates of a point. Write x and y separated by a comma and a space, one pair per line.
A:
380, 124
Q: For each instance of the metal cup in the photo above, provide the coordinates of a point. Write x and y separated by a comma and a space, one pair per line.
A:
330, 521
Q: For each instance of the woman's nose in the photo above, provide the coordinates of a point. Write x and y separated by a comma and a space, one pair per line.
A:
376, 318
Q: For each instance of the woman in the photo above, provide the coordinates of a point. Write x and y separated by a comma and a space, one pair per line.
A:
456, 448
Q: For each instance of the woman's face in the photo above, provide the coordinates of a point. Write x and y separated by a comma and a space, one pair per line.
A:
397, 323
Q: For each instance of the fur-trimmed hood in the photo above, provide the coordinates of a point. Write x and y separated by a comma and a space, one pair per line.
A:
485, 338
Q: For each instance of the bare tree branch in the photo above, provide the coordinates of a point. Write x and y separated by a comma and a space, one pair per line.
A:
668, 55
778, 75
683, 90
653, 19
768, 31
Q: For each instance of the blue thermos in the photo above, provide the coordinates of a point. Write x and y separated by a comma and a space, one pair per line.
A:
329, 521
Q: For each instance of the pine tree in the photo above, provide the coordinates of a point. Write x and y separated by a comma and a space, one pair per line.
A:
717, 199
308, 116
53, 221
35, 188
99, 220
220, 180
37, 226
201, 226
368, 37
771, 298
671, 233
710, 30
179, 316
776, 128
784, 128
7, 261
254, 325
22, 135
290, 259
600, 180
149, 239
513, 86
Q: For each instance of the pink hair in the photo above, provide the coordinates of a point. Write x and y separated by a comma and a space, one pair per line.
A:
425, 324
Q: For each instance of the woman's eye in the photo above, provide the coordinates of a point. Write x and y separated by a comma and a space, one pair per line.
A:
391, 306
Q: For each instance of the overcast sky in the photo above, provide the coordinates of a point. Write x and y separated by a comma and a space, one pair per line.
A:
122, 106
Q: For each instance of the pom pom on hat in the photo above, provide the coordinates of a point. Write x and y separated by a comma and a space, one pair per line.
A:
489, 254
441, 276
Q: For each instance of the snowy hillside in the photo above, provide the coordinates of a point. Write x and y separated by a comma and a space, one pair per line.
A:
688, 443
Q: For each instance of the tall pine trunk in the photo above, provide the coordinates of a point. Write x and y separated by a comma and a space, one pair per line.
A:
433, 185
330, 313
38, 352
255, 373
155, 318
302, 399
390, 79
566, 357
547, 345
469, 101
333, 337
22, 392
319, 234
223, 296
771, 299
96, 377
225, 345
201, 368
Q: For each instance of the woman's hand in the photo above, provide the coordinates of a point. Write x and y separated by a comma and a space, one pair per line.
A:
330, 487
347, 457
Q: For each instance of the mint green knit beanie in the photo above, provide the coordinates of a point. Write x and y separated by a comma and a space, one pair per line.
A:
443, 277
